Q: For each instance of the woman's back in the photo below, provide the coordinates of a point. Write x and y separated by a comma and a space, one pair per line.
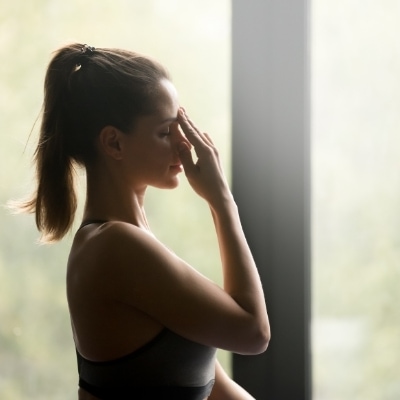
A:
104, 326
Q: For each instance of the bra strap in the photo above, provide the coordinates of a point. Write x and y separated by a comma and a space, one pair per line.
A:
92, 221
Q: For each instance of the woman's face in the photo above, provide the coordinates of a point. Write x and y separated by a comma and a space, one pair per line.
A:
152, 147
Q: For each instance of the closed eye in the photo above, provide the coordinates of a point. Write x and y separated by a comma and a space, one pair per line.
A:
166, 131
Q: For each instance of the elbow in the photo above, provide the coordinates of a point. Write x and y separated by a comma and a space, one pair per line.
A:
262, 339
266, 340
259, 340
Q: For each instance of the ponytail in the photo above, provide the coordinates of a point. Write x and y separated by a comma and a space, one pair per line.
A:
54, 203
85, 89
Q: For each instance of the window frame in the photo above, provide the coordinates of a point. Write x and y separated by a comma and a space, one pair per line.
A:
271, 183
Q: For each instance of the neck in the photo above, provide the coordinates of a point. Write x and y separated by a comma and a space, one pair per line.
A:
109, 198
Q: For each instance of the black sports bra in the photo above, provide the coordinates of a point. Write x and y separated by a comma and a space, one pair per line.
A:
168, 367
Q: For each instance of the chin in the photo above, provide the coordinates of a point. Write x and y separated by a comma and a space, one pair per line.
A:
170, 184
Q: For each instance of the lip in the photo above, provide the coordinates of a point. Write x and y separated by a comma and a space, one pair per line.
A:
176, 167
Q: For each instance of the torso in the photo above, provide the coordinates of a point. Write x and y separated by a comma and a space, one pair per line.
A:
104, 327
119, 328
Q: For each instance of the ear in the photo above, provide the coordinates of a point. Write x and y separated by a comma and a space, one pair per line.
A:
110, 141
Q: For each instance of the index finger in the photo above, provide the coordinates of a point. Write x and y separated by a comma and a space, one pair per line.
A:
189, 129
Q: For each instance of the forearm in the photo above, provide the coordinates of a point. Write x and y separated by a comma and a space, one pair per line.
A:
227, 389
241, 278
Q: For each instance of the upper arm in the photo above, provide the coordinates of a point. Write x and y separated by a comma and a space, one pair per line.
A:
149, 277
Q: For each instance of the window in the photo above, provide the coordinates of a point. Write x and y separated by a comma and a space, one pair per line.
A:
318, 81
356, 199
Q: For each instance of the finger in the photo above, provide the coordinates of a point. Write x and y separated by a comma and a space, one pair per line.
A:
208, 138
191, 132
203, 135
186, 158
177, 132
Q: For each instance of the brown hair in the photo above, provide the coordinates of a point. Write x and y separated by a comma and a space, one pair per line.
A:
85, 89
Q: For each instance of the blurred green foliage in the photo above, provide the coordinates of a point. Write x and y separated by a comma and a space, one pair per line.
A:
37, 359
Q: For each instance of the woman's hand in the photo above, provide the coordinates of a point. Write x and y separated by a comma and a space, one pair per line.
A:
206, 175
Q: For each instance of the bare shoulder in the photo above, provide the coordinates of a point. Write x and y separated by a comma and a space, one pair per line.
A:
126, 258
139, 251
129, 246
121, 242
112, 233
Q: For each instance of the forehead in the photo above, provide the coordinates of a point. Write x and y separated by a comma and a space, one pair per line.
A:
165, 109
167, 99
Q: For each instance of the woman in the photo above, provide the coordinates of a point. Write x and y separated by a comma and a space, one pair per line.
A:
146, 325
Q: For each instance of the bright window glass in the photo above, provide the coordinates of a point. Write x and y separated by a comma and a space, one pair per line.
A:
192, 39
355, 51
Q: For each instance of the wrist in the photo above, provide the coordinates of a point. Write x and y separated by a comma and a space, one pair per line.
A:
223, 204
225, 212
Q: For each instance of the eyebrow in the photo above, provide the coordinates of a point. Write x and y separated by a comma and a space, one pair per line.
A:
169, 120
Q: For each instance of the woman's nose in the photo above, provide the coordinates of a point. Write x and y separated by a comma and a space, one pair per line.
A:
179, 137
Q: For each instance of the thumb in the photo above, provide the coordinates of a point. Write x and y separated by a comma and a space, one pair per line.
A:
185, 156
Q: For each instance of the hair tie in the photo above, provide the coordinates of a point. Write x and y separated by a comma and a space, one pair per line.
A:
87, 49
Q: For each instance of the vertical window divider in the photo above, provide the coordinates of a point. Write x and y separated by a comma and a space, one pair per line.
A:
271, 183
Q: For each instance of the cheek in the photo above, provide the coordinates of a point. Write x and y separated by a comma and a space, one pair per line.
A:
161, 153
